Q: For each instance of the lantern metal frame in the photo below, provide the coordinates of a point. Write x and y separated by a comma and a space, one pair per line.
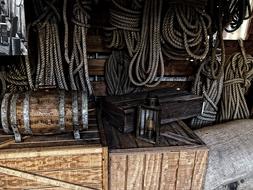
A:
149, 121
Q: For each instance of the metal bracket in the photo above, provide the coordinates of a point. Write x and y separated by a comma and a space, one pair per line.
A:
13, 117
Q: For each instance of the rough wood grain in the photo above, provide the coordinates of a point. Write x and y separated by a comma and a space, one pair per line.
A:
185, 170
152, 171
169, 171
82, 163
44, 112
117, 172
135, 174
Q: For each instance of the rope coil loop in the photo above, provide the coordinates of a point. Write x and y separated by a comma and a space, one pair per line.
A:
238, 76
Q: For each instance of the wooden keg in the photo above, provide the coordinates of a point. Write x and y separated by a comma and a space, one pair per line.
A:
44, 112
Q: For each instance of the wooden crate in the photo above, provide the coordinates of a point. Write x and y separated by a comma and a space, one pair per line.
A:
177, 163
176, 105
55, 162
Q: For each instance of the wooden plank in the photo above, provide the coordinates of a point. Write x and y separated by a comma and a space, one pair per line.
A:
105, 168
99, 87
135, 171
172, 68
51, 151
185, 170
96, 66
84, 177
152, 171
51, 163
96, 44
117, 173
200, 166
169, 171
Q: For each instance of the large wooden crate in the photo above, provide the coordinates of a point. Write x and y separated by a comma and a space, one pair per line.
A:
56, 159
177, 163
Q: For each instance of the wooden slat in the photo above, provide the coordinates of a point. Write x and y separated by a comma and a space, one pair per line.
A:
51, 151
185, 170
105, 168
99, 87
96, 44
117, 172
96, 66
135, 171
172, 68
169, 171
51, 163
85, 177
152, 171
200, 166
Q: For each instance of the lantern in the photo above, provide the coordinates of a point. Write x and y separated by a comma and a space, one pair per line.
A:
148, 120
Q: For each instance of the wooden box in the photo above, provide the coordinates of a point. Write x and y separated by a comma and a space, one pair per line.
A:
175, 105
179, 163
55, 162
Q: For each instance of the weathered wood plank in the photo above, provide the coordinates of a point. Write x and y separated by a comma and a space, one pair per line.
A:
117, 171
152, 170
84, 177
99, 87
49, 163
185, 170
200, 165
169, 171
135, 171
172, 68
105, 162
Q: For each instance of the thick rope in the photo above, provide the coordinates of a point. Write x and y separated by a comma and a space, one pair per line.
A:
50, 66
116, 74
125, 26
144, 65
210, 88
239, 10
77, 57
237, 80
184, 32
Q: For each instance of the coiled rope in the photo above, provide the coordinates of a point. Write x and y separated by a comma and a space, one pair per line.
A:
211, 89
116, 74
50, 67
237, 80
144, 65
239, 10
77, 59
125, 24
184, 32
16, 76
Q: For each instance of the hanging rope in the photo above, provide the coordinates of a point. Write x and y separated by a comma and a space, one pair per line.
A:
125, 23
16, 76
144, 65
237, 80
116, 74
210, 88
3, 86
50, 66
233, 13
184, 32
77, 57
239, 10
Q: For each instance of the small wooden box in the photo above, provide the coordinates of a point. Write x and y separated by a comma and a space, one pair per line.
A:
81, 163
175, 105
173, 165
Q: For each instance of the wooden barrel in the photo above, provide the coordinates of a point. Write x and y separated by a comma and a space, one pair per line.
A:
44, 112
